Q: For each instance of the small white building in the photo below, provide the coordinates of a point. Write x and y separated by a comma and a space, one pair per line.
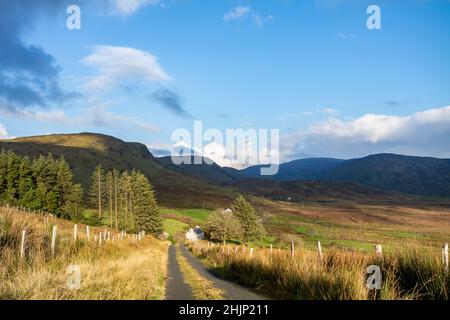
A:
195, 234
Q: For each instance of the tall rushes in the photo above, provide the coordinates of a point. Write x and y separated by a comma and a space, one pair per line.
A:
339, 275
421, 273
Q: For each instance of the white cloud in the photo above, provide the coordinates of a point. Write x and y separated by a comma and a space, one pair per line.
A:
4, 133
237, 13
129, 7
241, 13
96, 115
115, 64
423, 133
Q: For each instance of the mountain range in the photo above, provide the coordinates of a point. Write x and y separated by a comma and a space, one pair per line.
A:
423, 176
375, 178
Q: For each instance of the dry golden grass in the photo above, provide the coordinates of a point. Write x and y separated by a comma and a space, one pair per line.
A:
123, 269
202, 289
340, 275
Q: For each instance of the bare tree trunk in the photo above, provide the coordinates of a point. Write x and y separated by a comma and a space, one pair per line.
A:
115, 198
99, 194
111, 203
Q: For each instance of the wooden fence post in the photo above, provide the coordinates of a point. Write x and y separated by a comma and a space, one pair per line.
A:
95, 238
100, 236
271, 249
22, 244
292, 249
75, 232
54, 240
445, 256
87, 233
379, 250
251, 253
319, 247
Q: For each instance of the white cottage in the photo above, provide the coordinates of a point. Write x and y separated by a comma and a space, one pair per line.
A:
195, 234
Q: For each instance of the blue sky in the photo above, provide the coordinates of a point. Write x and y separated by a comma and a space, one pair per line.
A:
309, 68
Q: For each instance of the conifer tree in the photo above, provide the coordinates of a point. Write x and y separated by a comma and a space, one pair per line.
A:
250, 221
42, 184
145, 207
109, 185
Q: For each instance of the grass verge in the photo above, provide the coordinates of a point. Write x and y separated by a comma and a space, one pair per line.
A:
202, 289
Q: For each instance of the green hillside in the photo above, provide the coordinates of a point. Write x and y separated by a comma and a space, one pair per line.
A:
85, 151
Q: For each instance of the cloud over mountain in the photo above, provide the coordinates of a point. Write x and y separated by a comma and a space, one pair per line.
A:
424, 133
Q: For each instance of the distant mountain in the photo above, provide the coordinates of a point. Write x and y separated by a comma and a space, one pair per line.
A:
209, 172
302, 169
407, 174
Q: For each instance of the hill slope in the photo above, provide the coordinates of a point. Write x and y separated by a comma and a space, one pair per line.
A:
389, 172
85, 151
406, 174
212, 173
192, 186
302, 169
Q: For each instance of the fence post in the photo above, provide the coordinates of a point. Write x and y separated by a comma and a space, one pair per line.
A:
95, 238
22, 244
100, 239
75, 232
271, 249
251, 253
87, 233
319, 247
292, 249
379, 250
445, 256
53, 240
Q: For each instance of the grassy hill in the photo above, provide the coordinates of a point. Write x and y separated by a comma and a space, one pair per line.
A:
85, 151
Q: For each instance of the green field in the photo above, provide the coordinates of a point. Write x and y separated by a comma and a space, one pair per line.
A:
192, 216
172, 226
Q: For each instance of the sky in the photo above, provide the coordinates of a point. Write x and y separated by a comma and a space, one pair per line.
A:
140, 69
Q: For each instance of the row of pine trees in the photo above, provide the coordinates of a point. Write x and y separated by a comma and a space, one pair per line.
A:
44, 183
126, 200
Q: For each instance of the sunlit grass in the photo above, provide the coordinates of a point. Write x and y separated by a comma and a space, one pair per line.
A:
119, 269
408, 273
